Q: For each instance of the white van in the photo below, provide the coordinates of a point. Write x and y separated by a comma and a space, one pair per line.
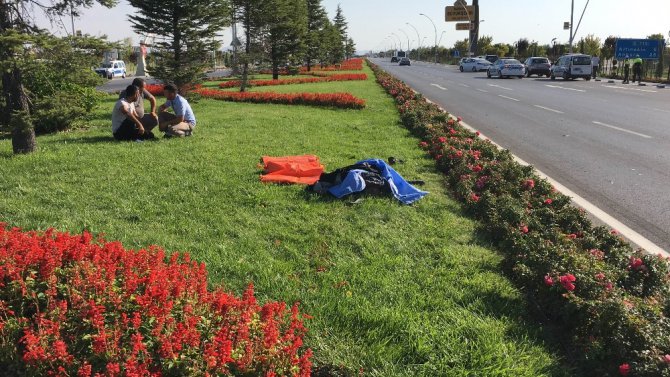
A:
572, 66
112, 69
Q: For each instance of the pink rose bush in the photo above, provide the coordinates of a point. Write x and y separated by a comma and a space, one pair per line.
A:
609, 302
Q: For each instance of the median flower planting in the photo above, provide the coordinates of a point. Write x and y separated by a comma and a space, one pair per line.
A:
301, 80
340, 100
610, 303
71, 305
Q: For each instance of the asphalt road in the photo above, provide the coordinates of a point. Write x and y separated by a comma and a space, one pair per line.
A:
118, 84
609, 143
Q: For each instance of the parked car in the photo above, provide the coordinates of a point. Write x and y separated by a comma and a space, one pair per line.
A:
404, 61
506, 68
474, 64
491, 58
572, 66
112, 69
537, 65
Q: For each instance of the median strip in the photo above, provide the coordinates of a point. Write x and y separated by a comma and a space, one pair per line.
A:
622, 129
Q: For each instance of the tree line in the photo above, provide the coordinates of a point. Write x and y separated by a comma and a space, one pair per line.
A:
47, 82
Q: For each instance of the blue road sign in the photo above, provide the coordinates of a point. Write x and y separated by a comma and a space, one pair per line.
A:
646, 48
457, 54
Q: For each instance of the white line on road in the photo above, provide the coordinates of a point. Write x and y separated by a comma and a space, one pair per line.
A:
467, 86
560, 87
622, 129
483, 91
548, 109
513, 99
498, 86
439, 87
624, 88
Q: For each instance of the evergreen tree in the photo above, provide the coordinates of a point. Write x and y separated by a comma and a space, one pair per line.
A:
350, 48
188, 29
333, 50
340, 24
253, 15
287, 28
316, 22
15, 29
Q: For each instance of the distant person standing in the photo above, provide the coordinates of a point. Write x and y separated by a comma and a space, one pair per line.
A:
626, 71
595, 63
637, 69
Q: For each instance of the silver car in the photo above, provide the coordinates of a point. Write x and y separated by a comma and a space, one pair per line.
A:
505, 68
474, 65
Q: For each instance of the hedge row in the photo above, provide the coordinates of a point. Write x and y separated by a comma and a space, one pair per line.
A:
341, 100
301, 80
611, 303
74, 306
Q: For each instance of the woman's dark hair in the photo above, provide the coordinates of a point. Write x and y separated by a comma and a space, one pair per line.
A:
130, 90
172, 88
138, 82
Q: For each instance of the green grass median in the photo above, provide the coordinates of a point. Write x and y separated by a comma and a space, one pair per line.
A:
394, 290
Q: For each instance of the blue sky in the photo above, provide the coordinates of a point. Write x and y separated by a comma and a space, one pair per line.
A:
371, 21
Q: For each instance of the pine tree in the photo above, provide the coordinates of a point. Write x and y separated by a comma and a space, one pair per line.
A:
350, 48
14, 26
287, 29
186, 30
316, 22
253, 15
340, 24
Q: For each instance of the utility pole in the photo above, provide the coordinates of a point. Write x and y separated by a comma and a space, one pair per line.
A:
474, 34
572, 17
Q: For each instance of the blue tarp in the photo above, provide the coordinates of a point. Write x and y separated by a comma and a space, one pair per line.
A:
401, 190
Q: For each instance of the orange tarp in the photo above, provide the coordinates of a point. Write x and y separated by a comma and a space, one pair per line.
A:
292, 169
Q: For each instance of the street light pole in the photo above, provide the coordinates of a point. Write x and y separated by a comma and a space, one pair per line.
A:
408, 48
434, 27
572, 18
418, 39
399, 40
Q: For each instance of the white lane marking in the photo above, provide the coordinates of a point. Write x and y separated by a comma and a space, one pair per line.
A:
467, 86
560, 87
513, 99
498, 86
625, 88
548, 109
634, 237
483, 91
622, 129
439, 87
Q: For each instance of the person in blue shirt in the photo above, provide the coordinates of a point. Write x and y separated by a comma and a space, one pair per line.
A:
182, 122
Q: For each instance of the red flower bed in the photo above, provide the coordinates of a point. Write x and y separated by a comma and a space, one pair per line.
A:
73, 306
341, 100
301, 80
610, 303
157, 90
347, 65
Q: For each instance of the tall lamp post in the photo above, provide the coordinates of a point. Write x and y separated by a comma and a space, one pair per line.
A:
399, 40
434, 27
408, 48
418, 39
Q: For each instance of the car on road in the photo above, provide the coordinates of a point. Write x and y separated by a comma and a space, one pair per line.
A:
473, 65
505, 68
404, 61
537, 65
112, 69
394, 59
491, 58
572, 66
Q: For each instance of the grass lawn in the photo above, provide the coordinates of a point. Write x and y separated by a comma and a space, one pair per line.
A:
394, 290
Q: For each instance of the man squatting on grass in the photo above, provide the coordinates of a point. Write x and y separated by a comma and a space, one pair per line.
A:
182, 122
126, 123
